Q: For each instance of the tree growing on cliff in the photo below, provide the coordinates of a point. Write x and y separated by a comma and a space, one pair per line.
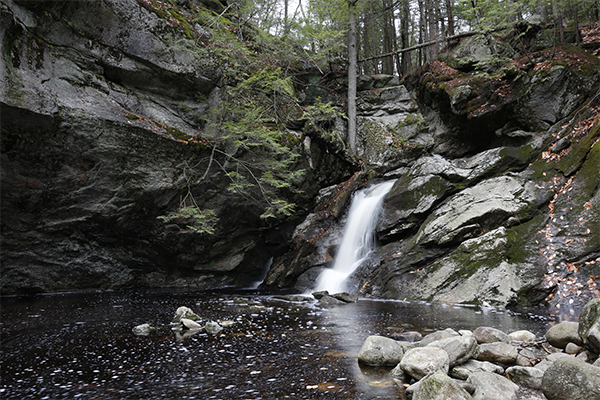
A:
245, 129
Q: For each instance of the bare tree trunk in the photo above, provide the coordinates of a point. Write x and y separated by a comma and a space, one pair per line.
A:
368, 41
423, 38
558, 20
404, 37
389, 37
395, 43
352, 61
433, 30
575, 11
286, 22
542, 10
476, 11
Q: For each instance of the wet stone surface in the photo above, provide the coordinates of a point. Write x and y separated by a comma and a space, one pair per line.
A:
81, 345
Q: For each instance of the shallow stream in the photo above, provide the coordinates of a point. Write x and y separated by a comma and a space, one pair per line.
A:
81, 345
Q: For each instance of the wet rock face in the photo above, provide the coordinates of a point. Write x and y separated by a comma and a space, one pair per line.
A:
95, 101
498, 207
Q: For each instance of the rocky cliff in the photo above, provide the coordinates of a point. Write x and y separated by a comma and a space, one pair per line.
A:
497, 186
103, 122
104, 128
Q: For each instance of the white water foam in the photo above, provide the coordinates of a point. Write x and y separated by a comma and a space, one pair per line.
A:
358, 240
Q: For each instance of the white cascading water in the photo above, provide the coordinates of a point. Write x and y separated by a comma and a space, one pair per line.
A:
358, 239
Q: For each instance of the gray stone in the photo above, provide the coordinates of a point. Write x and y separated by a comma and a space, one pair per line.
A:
523, 361
213, 327
327, 301
380, 351
421, 361
561, 144
561, 334
438, 335
589, 325
490, 386
486, 334
530, 377
494, 281
410, 196
479, 51
465, 370
185, 312
522, 336
585, 356
498, 352
571, 379
459, 348
500, 195
190, 324
345, 297
143, 330
318, 295
410, 336
544, 365
555, 356
439, 386
572, 348
551, 97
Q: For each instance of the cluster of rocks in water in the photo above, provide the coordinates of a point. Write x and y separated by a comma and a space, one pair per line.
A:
186, 323
488, 364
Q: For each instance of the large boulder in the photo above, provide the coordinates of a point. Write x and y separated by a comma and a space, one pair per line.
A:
489, 386
380, 351
522, 336
486, 334
530, 377
497, 352
439, 386
465, 370
564, 333
459, 348
421, 361
481, 52
589, 325
438, 335
571, 379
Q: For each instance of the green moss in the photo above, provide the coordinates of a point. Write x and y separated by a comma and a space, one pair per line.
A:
187, 29
586, 185
572, 161
412, 119
521, 154
587, 63
374, 136
132, 117
177, 134
542, 170
518, 237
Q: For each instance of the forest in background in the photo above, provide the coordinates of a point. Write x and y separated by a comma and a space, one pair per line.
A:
262, 47
389, 26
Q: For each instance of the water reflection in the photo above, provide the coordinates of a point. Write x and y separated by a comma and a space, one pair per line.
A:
82, 345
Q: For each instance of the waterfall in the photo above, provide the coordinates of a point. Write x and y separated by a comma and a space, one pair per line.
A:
358, 239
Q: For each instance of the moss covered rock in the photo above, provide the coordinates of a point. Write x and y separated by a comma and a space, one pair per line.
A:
589, 325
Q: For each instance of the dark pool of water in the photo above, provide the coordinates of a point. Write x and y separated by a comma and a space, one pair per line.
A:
81, 345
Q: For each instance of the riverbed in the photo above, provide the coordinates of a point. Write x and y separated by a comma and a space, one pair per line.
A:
81, 345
